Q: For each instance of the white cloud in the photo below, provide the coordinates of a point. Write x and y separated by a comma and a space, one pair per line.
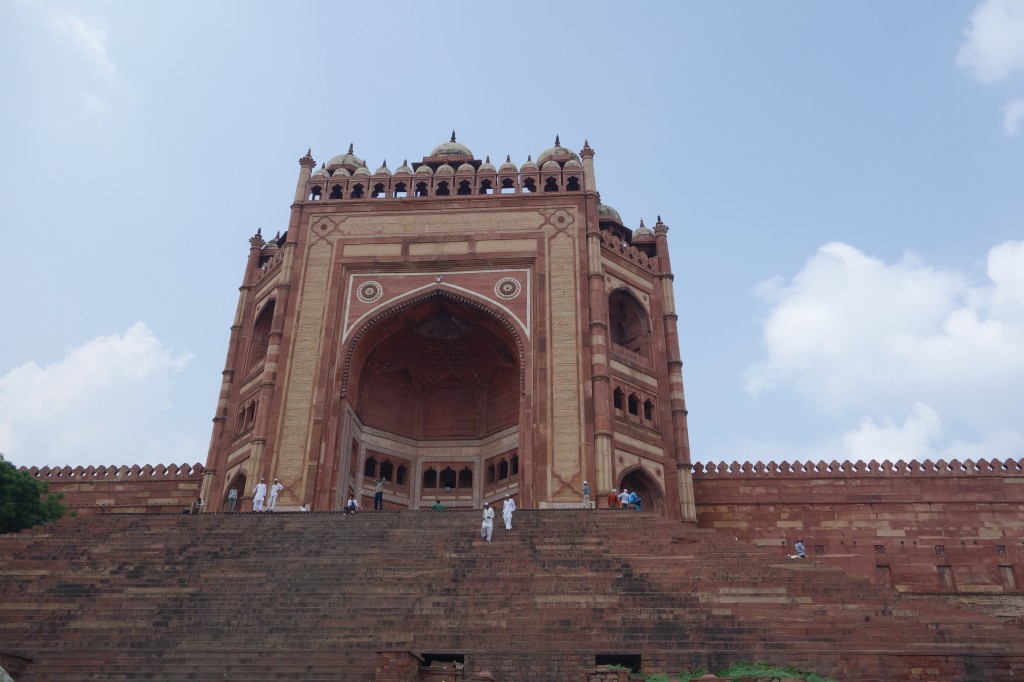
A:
105, 402
913, 440
1013, 116
993, 51
855, 335
994, 47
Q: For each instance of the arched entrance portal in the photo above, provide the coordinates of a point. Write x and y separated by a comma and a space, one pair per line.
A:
645, 486
433, 405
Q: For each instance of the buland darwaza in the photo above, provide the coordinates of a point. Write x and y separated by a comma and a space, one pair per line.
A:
462, 329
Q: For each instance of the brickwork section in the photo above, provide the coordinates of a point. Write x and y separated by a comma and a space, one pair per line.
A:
123, 490
321, 596
953, 528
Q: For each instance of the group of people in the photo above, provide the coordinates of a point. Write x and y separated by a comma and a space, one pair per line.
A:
487, 527
625, 500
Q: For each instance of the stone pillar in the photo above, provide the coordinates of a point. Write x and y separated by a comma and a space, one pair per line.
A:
305, 172
680, 432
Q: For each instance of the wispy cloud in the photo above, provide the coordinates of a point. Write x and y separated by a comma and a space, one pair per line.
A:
88, 38
993, 50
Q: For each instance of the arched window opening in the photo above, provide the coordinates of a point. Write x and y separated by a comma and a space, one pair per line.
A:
551, 185
261, 335
508, 186
371, 467
386, 469
378, 191
447, 478
336, 192
530, 185
486, 187
628, 324
634, 404
502, 470
240, 425
490, 474
315, 193
421, 189
618, 397
466, 478
573, 184
357, 191
649, 410
515, 465
250, 414
400, 473
401, 191
430, 478
464, 188
442, 189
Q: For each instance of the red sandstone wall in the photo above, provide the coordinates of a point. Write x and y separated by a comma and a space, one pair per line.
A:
953, 528
123, 490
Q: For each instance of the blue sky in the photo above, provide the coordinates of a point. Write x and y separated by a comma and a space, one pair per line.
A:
843, 183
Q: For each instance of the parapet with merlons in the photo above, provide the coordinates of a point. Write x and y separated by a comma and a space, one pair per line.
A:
846, 468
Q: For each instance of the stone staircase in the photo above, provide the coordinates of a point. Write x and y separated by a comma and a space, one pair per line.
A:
310, 596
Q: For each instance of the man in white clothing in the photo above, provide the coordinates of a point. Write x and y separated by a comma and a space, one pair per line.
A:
624, 498
258, 495
488, 526
506, 511
274, 490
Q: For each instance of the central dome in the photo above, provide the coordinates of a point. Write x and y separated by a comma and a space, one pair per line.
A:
451, 148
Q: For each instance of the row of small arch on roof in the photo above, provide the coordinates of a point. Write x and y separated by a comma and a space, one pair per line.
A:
111, 472
487, 168
927, 467
349, 188
630, 252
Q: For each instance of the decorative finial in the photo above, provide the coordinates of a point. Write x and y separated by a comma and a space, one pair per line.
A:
324, 166
508, 158
453, 135
488, 159
641, 222
307, 160
385, 164
659, 218
557, 143
350, 148
256, 241
529, 157
405, 162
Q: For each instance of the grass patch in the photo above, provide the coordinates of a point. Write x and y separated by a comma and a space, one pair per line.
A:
741, 669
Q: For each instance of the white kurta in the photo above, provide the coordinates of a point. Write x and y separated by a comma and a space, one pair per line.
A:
488, 525
506, 512
274, 490
258, 495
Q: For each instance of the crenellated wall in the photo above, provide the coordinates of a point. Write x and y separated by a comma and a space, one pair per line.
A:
948, 528
123, 490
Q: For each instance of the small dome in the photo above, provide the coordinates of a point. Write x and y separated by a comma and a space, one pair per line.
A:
403, 169
556, 153
445, 168
487, 165
528, 165
508, 165
321, 172
467, 168
383, 170
451, 148
362, 170
425, 170
572, 163
643, 233
551, 166
341, 173
349, 161
606, 212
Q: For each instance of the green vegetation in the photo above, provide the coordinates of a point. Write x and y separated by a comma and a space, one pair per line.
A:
735, 671
24, 501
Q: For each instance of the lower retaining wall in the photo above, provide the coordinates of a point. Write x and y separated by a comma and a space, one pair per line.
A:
124, 490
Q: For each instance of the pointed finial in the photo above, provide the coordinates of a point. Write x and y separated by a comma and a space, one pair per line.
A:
307, 160
529, 157
488, 159
641, 222
508, 158
557, 143
385, 164
350, 149
453, 135
309, 151
405, 162
659, 217
587, 152
324, 166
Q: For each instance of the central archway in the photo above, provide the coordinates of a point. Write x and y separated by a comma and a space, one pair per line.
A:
434, 393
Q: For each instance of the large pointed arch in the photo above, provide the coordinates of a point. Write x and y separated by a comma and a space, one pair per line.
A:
637, 478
